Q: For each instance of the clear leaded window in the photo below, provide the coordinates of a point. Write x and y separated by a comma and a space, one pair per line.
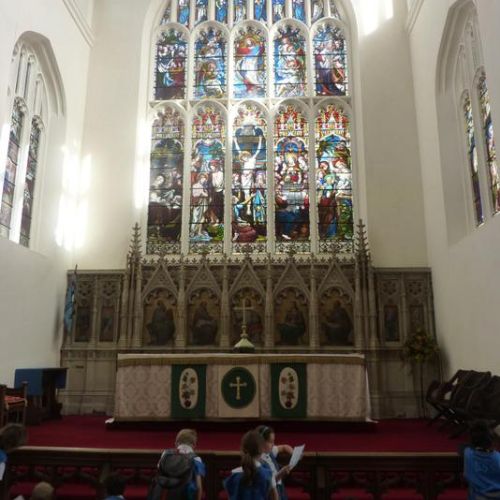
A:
251, 142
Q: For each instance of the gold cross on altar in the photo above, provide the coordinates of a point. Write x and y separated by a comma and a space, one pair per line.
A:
244, 308
238, 385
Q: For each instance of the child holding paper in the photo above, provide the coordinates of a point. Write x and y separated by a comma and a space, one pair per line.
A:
270, 455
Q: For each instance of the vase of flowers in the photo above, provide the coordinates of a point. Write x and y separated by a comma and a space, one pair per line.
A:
418, 350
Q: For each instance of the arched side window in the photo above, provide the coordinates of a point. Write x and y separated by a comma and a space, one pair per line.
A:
11, 169
265, 72
471, 195
30, 179
27, 128
489, 142
472, 157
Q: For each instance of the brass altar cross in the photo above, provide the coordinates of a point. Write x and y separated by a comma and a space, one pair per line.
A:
238, 385
244, 308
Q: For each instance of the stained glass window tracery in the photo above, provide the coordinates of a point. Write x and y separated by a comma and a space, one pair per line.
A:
334, 175
243, 215
473, 159
489, 138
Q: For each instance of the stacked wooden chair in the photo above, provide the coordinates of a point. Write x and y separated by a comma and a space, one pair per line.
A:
13, 403
467, 396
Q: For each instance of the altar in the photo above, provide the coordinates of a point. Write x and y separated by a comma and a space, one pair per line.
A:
160, 387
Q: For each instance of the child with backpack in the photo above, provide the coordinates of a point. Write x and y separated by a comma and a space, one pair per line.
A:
180, 471
251, 481
270, 458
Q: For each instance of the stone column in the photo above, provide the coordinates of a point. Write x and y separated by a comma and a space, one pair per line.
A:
269, 309
224, 307
181, 330
313, 308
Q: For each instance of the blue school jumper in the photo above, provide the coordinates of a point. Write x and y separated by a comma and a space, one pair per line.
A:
258, 490
482, 471
270, 460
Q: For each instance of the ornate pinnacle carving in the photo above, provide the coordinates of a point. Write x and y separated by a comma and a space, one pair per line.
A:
135, 244
361, 245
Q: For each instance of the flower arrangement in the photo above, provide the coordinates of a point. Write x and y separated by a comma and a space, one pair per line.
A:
419, 348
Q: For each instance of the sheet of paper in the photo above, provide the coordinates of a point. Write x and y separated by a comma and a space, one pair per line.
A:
298, 451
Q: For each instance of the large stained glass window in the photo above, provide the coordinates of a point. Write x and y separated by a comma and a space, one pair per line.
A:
333, 176
250, 63
491, 153
29, 184
171, 54
289, 62
330, 61
473, 160
9, 182
263, 96
291, 176
210, 64
166, 179
249, 179
206, 222
260, 10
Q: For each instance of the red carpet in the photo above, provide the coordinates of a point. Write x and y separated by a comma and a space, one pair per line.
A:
386, 435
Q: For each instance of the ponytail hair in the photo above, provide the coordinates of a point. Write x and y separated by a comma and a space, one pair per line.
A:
252, 444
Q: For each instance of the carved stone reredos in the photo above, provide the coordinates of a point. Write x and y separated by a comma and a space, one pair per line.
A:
160, 279
247, 278
204, 278
291, 278
336, 278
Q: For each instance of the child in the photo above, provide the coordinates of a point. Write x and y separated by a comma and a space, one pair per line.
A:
270, 455
11, 437
482, 464
180, 471
251, 481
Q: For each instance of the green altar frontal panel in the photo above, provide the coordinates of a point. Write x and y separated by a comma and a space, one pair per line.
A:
289, 390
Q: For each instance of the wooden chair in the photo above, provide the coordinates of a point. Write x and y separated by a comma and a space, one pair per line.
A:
13, 402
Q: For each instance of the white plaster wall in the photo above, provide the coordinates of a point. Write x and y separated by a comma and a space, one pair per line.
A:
32, 282
465, 272
390, 187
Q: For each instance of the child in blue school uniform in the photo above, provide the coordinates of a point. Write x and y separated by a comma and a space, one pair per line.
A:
482, 464
11, 437
269, 458
251, 481
180, 471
